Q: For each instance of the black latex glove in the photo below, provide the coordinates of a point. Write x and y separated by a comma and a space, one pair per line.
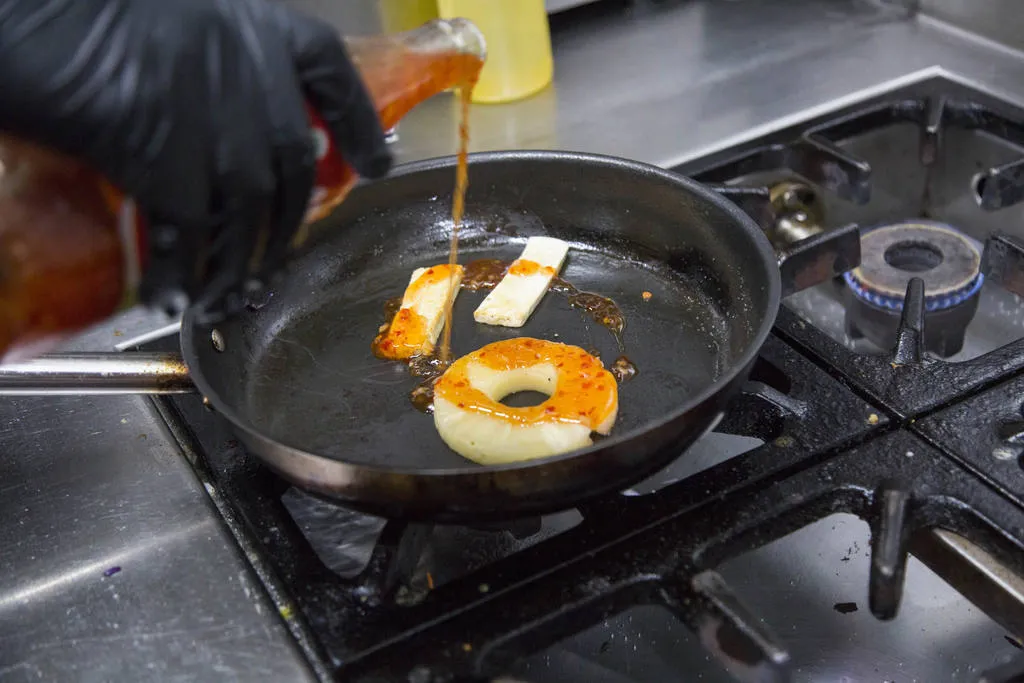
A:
195, 108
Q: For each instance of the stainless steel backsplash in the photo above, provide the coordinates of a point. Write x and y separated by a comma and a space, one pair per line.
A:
999, 20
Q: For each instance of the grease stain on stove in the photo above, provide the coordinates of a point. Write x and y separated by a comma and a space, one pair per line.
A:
850, 552
845, 607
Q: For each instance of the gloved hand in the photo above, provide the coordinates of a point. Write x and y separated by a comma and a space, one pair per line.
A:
196, 109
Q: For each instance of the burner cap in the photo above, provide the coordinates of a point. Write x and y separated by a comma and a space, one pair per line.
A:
947, 260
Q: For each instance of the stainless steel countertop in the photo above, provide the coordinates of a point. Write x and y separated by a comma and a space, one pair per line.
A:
665, 86
91, 483
91, 487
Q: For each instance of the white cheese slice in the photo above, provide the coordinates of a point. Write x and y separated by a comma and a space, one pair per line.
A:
514, 299
430, 301
425, 298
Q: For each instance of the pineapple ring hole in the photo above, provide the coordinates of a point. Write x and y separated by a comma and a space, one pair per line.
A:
524, 398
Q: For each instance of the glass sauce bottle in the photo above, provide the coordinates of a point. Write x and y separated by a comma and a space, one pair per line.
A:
71, 246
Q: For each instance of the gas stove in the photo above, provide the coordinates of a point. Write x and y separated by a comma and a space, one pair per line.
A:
857, 515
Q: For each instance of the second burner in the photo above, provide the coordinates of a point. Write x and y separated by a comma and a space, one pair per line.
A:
949, 263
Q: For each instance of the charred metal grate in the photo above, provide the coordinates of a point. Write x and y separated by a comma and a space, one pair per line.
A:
659, 549
540, 596
986, 434
908, 382
814, 152
1011, 672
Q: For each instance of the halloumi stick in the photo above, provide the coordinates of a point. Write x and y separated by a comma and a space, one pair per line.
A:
514, 299
415, 328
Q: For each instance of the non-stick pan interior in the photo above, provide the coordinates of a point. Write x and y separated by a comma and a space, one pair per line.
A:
300, 369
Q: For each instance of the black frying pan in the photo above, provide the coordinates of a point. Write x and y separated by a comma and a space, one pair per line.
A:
296, 376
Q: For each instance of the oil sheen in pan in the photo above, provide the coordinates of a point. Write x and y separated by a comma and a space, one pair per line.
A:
337, 396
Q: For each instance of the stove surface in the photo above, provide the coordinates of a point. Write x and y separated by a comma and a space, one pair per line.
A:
853, 515
93, 484
817, 606
787, 514
857, 515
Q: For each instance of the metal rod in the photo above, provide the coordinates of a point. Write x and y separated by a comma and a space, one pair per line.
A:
972, 571
97, 373
147, 337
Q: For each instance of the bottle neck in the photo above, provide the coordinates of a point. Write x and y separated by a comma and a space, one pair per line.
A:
404, 69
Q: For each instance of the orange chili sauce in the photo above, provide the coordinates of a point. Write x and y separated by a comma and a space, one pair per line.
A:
585, 392
526, 268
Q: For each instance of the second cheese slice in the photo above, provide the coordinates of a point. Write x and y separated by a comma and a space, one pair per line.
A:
514, 299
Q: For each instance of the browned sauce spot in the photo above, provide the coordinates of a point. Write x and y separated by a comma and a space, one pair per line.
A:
427, 369
483, 274
623, 369
391, 307
422, 398
601, 309
560, 286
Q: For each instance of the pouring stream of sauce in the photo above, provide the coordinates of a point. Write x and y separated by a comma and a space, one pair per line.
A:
458, 208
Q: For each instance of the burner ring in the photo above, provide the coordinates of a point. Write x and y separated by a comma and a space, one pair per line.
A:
948, 261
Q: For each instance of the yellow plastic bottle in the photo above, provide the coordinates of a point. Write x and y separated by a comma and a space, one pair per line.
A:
403, 15
519, 61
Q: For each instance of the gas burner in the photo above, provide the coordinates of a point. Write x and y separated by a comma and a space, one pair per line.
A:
949, 263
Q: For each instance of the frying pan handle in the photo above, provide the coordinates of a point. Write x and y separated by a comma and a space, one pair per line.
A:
96, 373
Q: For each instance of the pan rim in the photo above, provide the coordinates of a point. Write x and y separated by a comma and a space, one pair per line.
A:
774, 286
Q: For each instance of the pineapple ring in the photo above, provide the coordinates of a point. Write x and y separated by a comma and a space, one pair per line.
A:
469, 416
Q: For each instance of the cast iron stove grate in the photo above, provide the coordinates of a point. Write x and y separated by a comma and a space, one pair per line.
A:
912, 382
825, 451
